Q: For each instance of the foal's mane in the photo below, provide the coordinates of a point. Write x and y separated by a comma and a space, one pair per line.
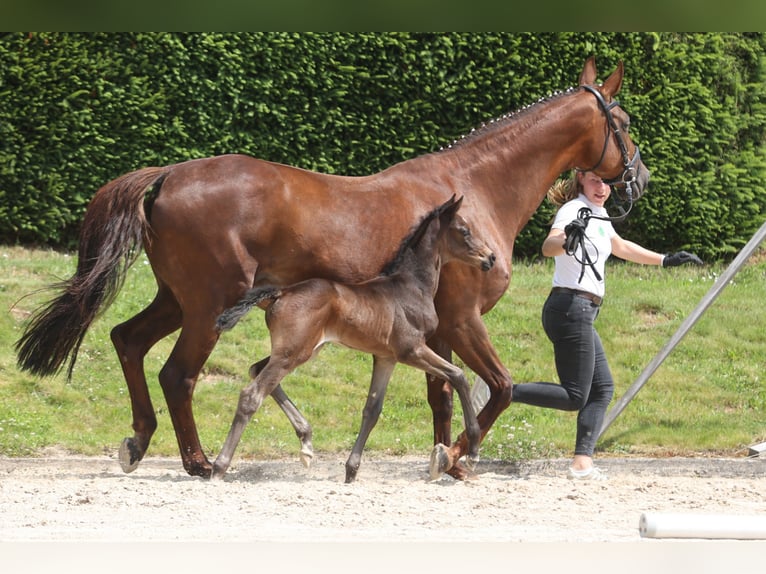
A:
494, 124
413, 238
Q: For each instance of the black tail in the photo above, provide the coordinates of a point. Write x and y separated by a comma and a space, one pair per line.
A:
253, 297
111, 237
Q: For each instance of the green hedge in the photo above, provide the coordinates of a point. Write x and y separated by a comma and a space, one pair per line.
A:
77, 110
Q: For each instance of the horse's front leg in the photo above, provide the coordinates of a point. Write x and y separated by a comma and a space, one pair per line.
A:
382, 368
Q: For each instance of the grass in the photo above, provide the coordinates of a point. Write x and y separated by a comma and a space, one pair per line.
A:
707, 398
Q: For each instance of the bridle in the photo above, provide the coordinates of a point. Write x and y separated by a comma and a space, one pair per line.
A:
630, 171
628, 179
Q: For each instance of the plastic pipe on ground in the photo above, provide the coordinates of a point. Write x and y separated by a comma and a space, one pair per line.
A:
709, 526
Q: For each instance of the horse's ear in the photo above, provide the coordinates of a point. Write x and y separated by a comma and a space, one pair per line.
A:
614, 82
588, 74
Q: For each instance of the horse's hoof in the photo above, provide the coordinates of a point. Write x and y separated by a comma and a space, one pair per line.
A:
471, 462
351, 475
440, 461
129, 455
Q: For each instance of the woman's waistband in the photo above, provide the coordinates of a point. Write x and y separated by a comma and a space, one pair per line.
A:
587, 294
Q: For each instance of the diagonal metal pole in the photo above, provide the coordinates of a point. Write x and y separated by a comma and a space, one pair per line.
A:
688, 323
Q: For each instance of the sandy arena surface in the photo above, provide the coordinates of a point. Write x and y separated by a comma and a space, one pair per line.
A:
89, 499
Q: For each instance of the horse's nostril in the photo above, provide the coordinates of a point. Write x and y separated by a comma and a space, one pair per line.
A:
490, 262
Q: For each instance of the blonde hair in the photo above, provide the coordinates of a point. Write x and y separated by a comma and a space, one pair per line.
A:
564, 190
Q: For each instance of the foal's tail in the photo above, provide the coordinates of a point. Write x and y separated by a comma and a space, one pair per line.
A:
252, 298
113, 230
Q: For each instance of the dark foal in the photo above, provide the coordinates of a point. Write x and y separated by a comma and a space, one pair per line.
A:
391, 316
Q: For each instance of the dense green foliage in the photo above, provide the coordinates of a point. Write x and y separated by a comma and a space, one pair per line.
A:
77, 110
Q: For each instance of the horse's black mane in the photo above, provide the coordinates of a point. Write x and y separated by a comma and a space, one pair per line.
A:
411, 240
496, 123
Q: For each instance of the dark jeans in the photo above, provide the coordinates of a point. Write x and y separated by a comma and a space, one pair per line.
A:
586, 382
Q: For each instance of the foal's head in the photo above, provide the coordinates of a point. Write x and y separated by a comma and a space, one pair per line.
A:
445, 235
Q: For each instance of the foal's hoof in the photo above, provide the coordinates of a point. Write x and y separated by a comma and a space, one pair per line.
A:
441, 461
129, 455
307, 456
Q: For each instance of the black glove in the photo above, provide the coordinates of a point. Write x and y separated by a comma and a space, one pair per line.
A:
574, 233
679, 258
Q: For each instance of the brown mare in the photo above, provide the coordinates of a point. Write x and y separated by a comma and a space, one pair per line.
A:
391, 316
213, 228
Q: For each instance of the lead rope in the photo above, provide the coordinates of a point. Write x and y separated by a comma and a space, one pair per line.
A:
576, 239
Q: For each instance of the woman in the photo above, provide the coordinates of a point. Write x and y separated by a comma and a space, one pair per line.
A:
581, 246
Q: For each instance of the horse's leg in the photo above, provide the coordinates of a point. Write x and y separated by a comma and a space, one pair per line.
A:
440, 395
443, 457
300, 424
382, 368
472, 344
250, 400
132, 340
178, 378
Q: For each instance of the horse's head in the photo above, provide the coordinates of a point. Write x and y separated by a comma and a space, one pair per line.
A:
459, 242
616, 158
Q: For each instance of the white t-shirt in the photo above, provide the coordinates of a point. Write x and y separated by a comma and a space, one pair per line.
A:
598, 244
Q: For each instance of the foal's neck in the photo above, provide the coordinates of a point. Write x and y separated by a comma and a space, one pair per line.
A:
422, 266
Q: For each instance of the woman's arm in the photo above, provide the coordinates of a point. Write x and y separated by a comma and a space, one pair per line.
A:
633, 252
554, 243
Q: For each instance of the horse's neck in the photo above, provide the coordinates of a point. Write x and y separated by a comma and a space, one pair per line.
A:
515, 162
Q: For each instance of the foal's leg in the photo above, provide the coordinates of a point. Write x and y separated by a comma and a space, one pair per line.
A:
382, 368
250, 400
445, 457
300, 424
132, 340
472, 344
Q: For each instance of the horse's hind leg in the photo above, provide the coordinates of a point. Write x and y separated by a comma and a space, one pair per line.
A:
178, 379
300, 424
250, 400
132, 340
381, 375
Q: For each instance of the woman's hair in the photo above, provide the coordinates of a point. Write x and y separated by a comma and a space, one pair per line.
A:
565, 190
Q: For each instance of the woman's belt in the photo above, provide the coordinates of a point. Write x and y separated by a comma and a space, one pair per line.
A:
590, 296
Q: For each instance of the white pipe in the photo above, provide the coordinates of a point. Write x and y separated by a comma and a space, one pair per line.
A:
709, 526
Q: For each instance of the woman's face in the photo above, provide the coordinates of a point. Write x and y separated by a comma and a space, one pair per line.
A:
594, 188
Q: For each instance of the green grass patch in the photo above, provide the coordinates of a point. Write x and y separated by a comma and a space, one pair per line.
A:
708, 397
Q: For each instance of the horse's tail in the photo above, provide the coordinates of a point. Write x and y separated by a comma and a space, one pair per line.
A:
252, 298
113, 230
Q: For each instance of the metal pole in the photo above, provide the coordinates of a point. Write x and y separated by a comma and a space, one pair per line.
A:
709, 297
